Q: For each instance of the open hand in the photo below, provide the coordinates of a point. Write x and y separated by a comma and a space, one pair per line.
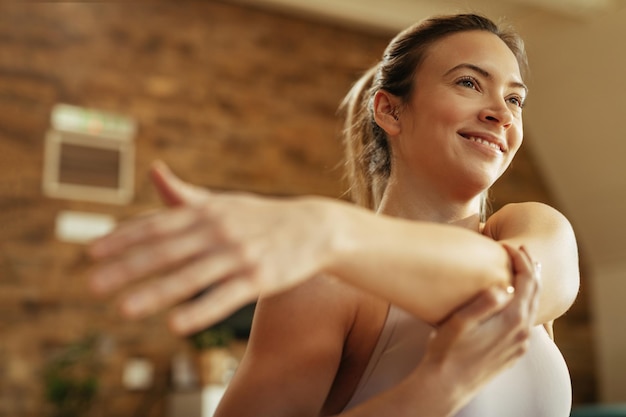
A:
229, 247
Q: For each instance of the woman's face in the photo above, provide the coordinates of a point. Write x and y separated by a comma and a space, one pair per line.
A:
463, 123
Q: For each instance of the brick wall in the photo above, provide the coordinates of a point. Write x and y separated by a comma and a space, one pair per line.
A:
231, 98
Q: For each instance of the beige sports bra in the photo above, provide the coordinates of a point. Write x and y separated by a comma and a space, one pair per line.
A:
537, 385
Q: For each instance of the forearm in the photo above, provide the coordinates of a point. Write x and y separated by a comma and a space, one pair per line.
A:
428, 269
425, 393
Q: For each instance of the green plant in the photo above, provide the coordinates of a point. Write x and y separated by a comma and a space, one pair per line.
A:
212, 337
70, 378
236, 326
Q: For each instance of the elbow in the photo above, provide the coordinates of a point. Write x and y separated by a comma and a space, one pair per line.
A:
496, 269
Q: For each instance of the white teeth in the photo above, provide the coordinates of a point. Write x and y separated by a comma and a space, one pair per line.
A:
484, 142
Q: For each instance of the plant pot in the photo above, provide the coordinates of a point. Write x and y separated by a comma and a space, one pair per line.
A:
215, 366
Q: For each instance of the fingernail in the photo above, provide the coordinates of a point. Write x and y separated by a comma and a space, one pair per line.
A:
503, 295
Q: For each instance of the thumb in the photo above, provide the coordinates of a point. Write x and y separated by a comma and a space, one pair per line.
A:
172, 190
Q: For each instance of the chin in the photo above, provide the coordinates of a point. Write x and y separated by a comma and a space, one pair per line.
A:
476, 184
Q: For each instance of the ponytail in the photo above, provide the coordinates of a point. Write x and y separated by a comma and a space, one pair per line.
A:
366, 149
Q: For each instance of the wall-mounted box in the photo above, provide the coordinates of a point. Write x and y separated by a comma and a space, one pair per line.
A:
89, 155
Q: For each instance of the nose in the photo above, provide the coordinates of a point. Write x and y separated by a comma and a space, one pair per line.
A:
498, 113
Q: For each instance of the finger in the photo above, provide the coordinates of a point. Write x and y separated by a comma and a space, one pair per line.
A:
522, 309
180, 285
142, 229
534, 303
473, 314
152, 257
165, 184
217, 304
525, 282
483, 305
172, 190
536, 265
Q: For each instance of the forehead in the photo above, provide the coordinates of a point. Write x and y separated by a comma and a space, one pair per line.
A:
477, 47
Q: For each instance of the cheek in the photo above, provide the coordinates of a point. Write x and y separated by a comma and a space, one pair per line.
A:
515, 142
441, 116
451, 113
517, 136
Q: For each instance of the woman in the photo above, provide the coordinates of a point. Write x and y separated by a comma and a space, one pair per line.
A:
350, 298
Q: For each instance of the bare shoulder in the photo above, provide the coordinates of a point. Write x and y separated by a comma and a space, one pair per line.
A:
549, 238
537, 218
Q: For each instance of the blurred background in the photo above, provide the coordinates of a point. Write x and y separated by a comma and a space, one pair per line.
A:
243, 95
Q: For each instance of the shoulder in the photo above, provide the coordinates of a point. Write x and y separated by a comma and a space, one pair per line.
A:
549, 237
533, 217
529, 207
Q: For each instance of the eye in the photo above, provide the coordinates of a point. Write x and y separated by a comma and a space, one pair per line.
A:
468, 82
517, 101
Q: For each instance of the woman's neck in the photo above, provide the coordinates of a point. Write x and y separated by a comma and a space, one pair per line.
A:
418, 203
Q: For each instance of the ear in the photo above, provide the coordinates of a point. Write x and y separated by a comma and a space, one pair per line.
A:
387, 112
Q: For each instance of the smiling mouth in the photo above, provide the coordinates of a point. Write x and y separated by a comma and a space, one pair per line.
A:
482, 141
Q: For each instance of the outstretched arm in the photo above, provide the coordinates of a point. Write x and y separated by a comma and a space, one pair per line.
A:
243, 245
437, 267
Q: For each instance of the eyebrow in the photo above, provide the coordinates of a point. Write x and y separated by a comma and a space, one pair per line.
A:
486, 74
